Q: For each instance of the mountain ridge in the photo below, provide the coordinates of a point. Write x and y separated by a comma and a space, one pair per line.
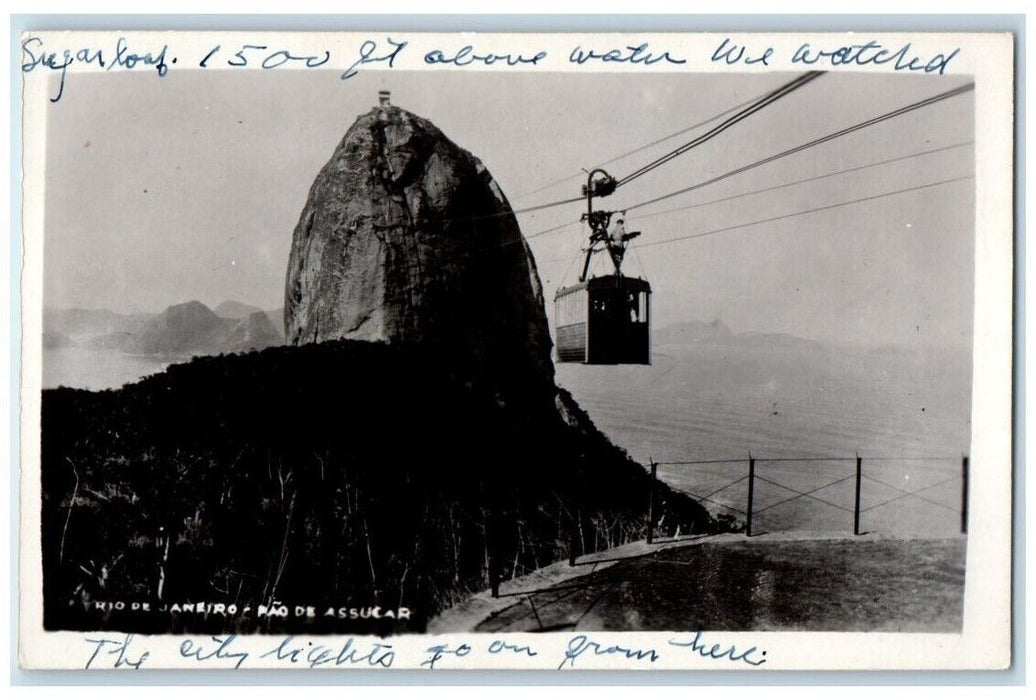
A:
179, 330
686, 333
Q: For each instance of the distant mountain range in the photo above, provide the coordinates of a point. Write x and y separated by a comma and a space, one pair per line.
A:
193, 328
717, 332
235, 309
183, 329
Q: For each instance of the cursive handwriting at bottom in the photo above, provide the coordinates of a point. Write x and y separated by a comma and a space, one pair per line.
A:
719, 651
230, 651
190, 649
120, 649
349, 653
581, 644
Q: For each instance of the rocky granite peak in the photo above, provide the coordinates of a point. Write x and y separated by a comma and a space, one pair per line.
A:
406, 237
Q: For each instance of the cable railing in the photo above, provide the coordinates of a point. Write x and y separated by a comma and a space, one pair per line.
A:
751, 512
786, 493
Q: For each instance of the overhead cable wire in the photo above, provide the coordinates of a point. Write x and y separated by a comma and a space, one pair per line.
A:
870, 198
814, 178
772, 188
816, 142
783, 154
512, 212
811, 144
646, 146
552, 229
758, 105
754, 107
803, 212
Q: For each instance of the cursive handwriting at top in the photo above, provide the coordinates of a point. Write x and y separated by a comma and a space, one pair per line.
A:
129, 54
249, 55
33, 56
730, 53
467, 55
874, 53
367, 55
627, 54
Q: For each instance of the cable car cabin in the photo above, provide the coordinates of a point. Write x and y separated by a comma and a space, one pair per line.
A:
604, 321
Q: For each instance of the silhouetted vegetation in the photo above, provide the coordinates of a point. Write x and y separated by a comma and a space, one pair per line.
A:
342, 474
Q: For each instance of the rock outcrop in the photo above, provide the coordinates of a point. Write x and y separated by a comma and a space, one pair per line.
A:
254, 332
406, 237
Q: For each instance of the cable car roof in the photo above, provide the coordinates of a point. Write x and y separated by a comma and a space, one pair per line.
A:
635, 284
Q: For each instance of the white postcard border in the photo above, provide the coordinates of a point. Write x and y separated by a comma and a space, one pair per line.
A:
985, 642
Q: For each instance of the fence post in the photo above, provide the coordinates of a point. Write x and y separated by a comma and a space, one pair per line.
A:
751, 493
856, 507
651, 504
494, 577
492, 563
964, 495
571, 543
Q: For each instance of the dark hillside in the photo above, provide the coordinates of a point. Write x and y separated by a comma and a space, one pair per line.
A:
342, 474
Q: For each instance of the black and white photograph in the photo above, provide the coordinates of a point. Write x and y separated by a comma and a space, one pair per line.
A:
430, 352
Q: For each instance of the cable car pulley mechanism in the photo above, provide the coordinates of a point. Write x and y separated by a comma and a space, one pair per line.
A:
607, 319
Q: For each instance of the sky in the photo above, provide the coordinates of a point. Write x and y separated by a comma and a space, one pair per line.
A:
159, 191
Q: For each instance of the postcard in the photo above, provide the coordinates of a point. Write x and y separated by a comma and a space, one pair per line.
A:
516, 351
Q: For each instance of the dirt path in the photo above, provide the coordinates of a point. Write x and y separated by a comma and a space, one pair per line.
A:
782, 581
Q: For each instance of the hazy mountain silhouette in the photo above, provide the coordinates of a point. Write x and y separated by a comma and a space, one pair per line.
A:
691, 332
717, 332
235, 309
190, 328
184, 329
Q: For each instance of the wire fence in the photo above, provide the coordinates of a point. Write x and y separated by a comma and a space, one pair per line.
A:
736, 488
847, 489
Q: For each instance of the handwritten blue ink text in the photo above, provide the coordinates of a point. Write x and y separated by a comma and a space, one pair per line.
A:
499, 645
120, 649
719, 651
581, 644
33, 56
629, 54
730, 53
467, 55
873, 53
314, 655
189, 649
367, 55
441, 650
